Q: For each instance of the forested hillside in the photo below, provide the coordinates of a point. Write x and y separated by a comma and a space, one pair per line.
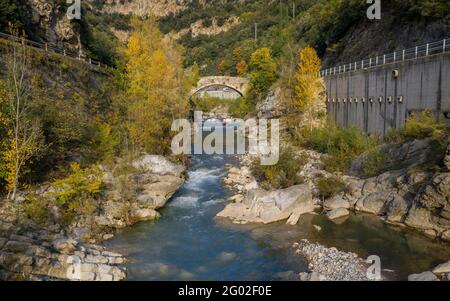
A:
337, 29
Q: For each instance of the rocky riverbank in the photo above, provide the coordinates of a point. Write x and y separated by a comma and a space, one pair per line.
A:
50, 249
329, 264
440, 272
406, 194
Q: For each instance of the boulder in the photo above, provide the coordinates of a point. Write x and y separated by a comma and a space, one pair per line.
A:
447, 158
16, 247
65, 246
446, 235
436, 194
261, 206
82, 233
373, 203
158, 165
442, 268
419, 218
425, 276
144, 214
2, 242
397, 208
155, 195
337, 213
336, 202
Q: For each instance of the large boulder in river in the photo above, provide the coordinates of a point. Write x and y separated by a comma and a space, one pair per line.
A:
155, 195
158, 165
261, 206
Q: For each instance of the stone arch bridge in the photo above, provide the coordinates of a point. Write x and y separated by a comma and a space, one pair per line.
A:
238, 84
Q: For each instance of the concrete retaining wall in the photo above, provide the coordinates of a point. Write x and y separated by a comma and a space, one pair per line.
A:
374, 100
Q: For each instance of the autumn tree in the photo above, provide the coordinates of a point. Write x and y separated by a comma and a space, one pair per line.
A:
156, 92
309, 88
221, 66
4, 122
23, 137
193, 76
241, 68
263, 71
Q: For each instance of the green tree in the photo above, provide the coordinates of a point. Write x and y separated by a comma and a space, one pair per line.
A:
263, 71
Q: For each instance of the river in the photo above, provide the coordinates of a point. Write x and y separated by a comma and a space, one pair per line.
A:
189, 243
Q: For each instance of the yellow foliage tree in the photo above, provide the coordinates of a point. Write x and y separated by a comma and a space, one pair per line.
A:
4, 122
23, 133
241, 68
157, 91
309, 96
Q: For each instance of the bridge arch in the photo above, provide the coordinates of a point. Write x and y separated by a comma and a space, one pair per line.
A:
238, 84
198, 90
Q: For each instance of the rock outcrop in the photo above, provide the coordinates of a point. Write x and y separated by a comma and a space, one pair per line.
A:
145, 8
52, 24
272, 106
261, 206
46, 255
418, 198
51, 250
441, 272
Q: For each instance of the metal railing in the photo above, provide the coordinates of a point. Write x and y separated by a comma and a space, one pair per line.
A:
52, 48
397, 56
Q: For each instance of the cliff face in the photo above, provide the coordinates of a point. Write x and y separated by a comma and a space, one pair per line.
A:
368, 38
145, 7
51, 25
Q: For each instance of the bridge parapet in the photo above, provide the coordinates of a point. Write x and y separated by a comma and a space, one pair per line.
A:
414, 53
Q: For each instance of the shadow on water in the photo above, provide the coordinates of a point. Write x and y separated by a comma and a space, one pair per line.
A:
189, 243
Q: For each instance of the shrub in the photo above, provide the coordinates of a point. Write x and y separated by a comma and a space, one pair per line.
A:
374, 163
330, 186
341, 144
36, 208
418, 126
207, 103
239, 108
76, 194
282, 175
